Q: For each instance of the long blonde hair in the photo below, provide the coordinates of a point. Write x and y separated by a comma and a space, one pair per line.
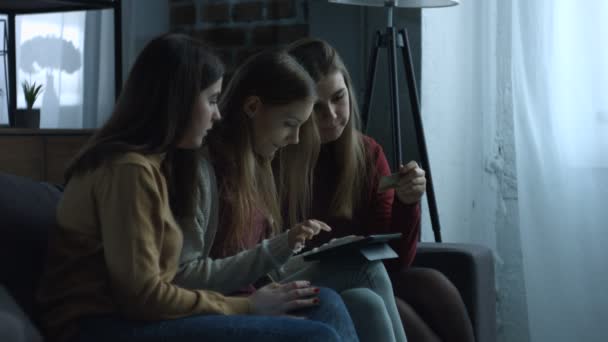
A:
349, 152
247, 182
295, 176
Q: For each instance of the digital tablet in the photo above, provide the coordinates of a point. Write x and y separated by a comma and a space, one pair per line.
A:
349, 245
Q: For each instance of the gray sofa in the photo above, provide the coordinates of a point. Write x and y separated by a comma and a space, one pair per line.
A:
27, 211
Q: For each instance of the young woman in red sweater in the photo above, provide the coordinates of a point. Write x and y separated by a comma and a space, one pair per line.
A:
345, 195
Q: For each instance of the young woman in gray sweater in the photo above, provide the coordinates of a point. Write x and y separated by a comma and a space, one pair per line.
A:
269, 102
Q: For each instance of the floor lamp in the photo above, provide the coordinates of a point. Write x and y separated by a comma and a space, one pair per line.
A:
392, 40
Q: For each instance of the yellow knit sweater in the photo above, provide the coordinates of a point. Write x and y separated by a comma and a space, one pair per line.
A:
116, 251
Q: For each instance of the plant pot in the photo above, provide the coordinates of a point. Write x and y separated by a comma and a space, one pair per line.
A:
27, 118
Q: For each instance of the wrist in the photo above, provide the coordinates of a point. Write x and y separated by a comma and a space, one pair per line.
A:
407, 204
290, 238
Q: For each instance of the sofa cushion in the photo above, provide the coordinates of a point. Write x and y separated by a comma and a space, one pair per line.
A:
27, 211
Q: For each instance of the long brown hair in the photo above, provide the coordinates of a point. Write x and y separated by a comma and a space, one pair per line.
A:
247, 182
349, 155
153, 112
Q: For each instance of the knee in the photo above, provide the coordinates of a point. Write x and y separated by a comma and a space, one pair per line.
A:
435, 281
363, 300
327, 295
331, 300
425, 281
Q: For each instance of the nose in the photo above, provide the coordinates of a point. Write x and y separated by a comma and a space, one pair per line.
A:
294, 137
331, 113
327, 113
216, 115
324, 111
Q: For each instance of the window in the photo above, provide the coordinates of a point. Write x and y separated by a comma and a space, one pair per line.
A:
71, 54
50, 52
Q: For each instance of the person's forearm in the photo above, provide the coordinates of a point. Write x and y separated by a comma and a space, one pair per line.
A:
159, 300
229, 274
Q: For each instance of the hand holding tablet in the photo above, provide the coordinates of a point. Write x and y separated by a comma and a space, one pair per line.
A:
373, 247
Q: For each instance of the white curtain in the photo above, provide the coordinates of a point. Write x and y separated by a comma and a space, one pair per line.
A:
98, 92
515, 106
560, 97
49, 52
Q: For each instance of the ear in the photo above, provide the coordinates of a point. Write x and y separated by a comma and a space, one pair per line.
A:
252, 106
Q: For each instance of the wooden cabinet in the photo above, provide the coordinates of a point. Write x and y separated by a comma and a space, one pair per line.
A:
40, 154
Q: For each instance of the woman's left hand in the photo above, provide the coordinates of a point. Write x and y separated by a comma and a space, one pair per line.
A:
412, 183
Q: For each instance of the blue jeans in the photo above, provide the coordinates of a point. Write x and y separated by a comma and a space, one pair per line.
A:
366, 289
329, 321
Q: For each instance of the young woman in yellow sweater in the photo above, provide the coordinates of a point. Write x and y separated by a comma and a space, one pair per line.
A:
114, 254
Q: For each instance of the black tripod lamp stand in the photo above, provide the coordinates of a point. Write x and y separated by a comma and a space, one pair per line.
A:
394, 40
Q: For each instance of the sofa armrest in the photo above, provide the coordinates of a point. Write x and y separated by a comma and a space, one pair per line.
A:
14, 324
471, 269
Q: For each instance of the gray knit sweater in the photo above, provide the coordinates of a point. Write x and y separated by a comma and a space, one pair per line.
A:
229, 274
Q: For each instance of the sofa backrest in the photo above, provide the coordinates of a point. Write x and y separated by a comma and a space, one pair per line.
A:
27, 213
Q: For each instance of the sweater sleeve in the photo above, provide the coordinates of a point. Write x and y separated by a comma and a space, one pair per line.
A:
229, 274
135, 227
389, 215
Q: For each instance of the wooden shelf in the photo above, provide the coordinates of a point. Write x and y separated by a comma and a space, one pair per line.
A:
45, 131
40, 154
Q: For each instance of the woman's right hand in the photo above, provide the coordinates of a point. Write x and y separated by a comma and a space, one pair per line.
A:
303, 231
278, 299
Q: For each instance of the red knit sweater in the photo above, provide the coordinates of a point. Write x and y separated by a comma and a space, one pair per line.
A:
379, 213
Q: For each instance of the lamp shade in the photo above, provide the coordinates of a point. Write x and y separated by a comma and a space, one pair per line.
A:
400, 3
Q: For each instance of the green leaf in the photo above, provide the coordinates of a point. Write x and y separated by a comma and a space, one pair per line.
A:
31, 91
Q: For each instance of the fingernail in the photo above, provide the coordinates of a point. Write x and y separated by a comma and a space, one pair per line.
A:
316, 301
317, 290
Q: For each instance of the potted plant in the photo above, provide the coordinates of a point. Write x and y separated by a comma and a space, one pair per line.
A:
30, 117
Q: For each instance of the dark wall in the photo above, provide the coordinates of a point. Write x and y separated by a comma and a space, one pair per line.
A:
238, 28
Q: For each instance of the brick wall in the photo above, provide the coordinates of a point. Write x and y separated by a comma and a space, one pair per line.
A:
239, 28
